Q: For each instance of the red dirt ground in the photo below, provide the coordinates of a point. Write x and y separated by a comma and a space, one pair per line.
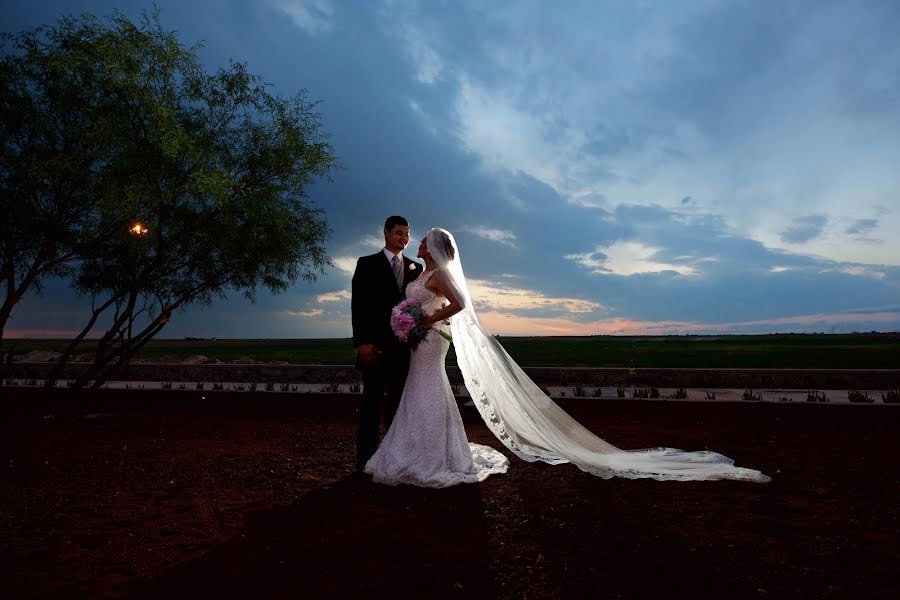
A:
162, 494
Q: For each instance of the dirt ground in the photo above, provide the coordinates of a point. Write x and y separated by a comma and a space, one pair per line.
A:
167, 494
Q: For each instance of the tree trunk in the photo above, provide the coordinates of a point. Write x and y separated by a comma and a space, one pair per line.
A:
101, 357
70, 350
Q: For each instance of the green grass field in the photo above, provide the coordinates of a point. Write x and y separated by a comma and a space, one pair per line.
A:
786, 351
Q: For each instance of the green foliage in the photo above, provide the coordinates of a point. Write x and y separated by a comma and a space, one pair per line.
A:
213, 165
680, 394
750, 396
892, 397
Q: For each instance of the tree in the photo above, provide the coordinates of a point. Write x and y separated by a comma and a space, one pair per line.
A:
197, 182
50, 150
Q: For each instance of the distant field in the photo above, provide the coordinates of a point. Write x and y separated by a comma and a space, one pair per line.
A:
788, 351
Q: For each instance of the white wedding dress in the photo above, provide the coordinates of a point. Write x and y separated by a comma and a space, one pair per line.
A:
426, 444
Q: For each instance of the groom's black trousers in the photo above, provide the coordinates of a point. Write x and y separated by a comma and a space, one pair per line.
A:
382, 388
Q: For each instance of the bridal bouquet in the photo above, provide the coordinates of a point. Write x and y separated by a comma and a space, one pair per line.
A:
406, 322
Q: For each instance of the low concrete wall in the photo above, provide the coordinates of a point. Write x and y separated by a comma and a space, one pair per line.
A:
843, 379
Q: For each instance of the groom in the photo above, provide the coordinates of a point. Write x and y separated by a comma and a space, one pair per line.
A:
379, 284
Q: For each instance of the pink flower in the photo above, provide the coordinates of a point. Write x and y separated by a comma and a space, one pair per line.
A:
406, 322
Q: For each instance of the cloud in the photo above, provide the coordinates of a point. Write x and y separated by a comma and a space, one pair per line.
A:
861, 226
428, 65
804, 229
306, 313
732, 103
312, 16
509, 324
19, 334
500, 236
875, 310
334, 296
626, 258
862, 271
345, 264
489, 296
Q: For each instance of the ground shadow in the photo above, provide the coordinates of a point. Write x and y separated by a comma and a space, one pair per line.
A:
349, 539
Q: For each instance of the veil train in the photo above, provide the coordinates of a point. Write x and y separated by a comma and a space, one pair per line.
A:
534, 427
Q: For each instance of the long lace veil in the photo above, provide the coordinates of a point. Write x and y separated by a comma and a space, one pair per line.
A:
534, 427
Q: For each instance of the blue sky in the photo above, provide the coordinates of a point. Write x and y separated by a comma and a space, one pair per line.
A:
616, 167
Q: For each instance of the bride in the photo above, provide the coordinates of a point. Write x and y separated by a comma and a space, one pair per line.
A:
426, 445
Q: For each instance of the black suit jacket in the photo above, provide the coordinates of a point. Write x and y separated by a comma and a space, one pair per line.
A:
374, 294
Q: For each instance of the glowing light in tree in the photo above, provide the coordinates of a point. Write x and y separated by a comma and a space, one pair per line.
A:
138, 229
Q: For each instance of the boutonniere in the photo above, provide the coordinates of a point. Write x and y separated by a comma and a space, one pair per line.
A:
412, 266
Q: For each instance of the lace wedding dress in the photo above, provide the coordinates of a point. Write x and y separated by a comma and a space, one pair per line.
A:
524, 418
426, 444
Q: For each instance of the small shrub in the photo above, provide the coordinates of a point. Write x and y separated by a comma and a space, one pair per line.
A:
218, 387
253, 387
598, 392
620, 392
293, 388
332, 387
579, 391
710, 395
285, 387
270, 387
182, 386
166, 385
680, 394
640, 393
784, 399
751, 397
858, 396
239, 387
455, 390
200, 385
356, 387
892, 397
816, 397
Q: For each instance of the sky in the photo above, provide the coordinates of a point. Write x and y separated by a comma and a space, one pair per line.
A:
607, 167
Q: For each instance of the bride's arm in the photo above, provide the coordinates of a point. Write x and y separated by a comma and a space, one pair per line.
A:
439, 284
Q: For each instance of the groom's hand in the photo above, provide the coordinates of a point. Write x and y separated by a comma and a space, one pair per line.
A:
368, 355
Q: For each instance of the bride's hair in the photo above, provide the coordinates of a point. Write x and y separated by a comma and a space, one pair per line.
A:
442, 243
